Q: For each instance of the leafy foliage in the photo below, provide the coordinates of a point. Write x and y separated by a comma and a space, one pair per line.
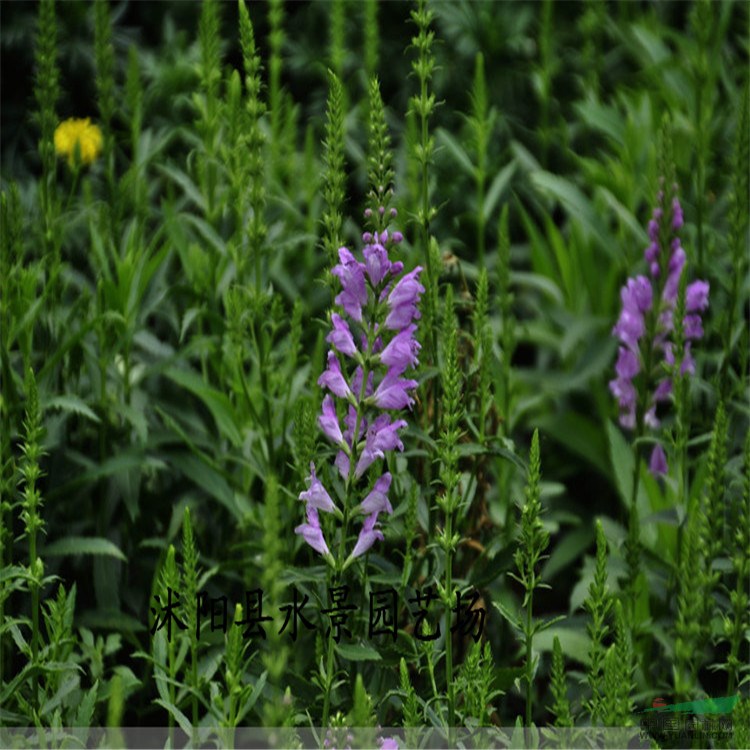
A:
162, 321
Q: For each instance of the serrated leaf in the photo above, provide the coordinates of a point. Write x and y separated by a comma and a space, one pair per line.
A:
75, 405
85, 712
80, 545
507, 615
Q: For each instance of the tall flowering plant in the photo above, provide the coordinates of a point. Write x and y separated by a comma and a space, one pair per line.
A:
373, 345
646, 361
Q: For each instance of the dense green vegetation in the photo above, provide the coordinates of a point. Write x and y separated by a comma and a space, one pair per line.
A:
550, 202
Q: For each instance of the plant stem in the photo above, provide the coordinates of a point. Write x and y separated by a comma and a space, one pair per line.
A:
448, 634
529, 654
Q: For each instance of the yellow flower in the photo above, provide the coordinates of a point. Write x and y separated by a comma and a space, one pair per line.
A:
82, 133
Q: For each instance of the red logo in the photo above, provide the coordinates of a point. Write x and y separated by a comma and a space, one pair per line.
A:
658, 703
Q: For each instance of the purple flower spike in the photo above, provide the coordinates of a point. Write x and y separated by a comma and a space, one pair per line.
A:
341, 337
312, 533
645, 327
316, 496
392, 391
333, 379
373, 325
658, 463
377, 500
367, 536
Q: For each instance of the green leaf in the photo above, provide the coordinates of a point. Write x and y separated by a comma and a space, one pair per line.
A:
188, 186
254, 695
456, 151
179, 717
497, 188
358, 652
208, 479
73, 404
80, 545
567, 551
575, 643
215, 401
607, 120
85, 712
579, 208
621, 455
511, 617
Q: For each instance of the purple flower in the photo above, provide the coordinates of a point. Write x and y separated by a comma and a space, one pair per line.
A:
341, 462
676, 264
392, 391
627, 364
367, 536
629, 328
637, 295
624, 391
329, 421
312, 533
341, 337
403, 299
333, 379
696, 296
381, 437
693, 327
388, 743
663, 390
354, 290
376, 262
316, 496
658, 463
357, 383
677, 218
402, 350
377, 500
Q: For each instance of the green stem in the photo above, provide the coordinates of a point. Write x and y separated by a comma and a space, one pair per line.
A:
34, 607
265, 390
480, 209
448, 634
529, 651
